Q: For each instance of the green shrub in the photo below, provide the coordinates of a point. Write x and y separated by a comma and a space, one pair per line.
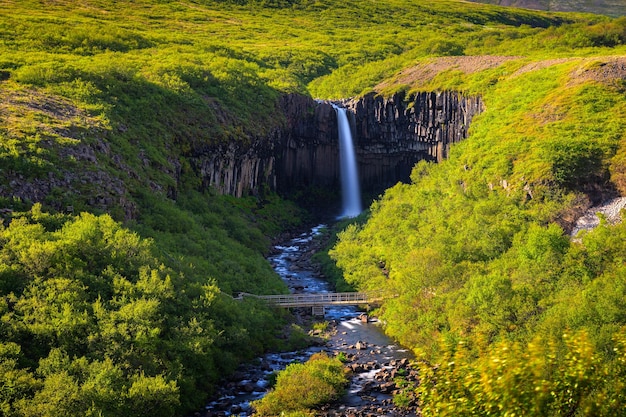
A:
321, 326
302, 387
402, 399
537, 379
109, 327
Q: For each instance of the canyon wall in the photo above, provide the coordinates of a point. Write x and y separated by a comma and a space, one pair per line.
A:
299, 156
300, 153
390, 134
393, 134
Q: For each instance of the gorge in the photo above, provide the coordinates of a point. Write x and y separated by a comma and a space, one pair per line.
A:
298, 155
154, 154
391, 135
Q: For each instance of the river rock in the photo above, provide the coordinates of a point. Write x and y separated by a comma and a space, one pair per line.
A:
373, 391
238, 376
249, 387
356, 367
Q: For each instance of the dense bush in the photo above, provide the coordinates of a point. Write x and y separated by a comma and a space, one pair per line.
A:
532, 380
487, 279
95, 322
301, 387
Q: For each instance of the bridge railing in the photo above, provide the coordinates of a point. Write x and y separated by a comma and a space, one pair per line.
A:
320, 299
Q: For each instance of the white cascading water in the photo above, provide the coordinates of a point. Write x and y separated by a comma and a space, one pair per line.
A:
351, 193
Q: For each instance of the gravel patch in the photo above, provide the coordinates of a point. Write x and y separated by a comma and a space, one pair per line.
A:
609, 209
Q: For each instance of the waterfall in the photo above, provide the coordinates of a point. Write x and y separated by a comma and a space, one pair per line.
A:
350, 191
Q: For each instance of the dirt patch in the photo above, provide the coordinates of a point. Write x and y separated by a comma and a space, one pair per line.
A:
607, 70
534, 66
426, 71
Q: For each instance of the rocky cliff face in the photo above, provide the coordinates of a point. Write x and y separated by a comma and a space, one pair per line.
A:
299, 154
391, 135
308, 149
236, 168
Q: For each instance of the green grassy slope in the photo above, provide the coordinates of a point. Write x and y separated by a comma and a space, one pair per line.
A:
521, 318
101, 102
133, 80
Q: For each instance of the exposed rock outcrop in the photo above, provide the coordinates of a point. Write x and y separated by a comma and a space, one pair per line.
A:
391, 135
236, 168
300, 152
308, 151
610, 210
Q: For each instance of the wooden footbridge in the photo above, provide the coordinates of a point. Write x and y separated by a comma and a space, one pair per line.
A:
320, 300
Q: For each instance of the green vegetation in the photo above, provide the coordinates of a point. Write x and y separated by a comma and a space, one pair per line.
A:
115, 290
528, 380
521, 319
320, 326
301, 387
161, 81
99, 320
328, 267
608, 7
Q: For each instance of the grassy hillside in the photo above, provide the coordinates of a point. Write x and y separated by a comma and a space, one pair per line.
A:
520, 318
116, 265
144, 84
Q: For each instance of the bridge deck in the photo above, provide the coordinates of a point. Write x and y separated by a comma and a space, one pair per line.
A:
320, 299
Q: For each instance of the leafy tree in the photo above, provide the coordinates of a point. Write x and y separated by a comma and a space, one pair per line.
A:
109, 328
16, 383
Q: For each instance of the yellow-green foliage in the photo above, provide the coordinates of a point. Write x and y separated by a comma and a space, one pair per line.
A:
475, 248
302, 387
158, 80
530, 380
97, 320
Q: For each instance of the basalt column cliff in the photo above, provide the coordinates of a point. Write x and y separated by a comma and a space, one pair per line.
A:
391, 135
299, 153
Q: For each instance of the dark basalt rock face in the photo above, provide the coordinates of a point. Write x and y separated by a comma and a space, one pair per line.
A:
308, 149
391, 135
302, 152
236, 168
298, 155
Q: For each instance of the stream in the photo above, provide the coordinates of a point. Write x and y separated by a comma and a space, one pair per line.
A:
374, 360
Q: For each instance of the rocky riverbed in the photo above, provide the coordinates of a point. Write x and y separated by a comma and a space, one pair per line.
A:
378, 368
373, 383
378, 373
